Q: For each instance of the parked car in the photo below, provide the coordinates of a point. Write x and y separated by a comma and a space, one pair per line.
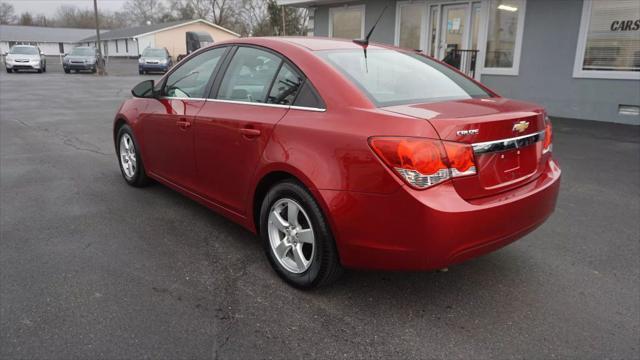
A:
154, 60
81, 58
195, 40
336, 157
25, 57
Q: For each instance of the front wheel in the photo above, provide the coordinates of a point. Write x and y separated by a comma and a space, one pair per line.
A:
9, 70
296, 237
129, 158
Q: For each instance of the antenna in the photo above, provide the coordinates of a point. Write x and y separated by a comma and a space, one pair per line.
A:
365, 42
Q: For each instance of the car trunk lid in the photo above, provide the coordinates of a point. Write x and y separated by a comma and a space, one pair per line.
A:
506, 136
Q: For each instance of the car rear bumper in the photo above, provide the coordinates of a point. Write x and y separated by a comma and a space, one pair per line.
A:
435, 228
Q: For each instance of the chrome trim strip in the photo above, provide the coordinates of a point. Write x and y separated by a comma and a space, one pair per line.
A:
303, 108
249, 103
508, 144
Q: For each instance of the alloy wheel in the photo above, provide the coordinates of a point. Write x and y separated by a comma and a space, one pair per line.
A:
128, 156
291, 236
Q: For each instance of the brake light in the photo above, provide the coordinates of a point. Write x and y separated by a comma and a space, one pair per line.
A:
548, 136
422, 163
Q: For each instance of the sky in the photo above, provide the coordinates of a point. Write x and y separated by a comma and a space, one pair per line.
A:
49, 7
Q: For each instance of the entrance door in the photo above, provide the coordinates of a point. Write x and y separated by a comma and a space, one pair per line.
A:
453, 32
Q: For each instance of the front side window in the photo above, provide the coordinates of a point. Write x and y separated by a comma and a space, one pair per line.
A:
190, 80
249, 76
390, 77
610, 38
506, 19
347, 22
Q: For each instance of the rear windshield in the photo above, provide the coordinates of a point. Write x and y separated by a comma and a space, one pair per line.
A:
390, 77
154, 53
24, 50
83, 51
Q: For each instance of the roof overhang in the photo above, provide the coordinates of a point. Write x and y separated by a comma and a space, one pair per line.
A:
188, 23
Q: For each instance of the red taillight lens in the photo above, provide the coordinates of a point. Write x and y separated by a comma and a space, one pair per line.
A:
548, 136
424, 162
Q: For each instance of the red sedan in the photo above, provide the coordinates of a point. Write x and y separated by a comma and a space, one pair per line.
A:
339, 158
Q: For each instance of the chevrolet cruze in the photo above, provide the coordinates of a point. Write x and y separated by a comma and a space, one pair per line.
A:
341, 158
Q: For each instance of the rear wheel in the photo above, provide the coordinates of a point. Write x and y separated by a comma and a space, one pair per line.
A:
129, 158
297, 240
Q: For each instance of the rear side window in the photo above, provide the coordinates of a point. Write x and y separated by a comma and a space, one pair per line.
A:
249, 76
191, 78
308, 97
285, 87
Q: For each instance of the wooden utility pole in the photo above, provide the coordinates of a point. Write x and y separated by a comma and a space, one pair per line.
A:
284, 22
99, 60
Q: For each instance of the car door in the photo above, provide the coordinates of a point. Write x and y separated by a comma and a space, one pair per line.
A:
167, 124
234, 126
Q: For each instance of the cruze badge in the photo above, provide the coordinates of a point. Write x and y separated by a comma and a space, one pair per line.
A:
520, 126
468, 132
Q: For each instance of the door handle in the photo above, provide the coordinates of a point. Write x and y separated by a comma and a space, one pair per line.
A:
250, 133
183, 123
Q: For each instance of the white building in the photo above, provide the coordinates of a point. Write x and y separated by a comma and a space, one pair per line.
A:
51, 41
130, 42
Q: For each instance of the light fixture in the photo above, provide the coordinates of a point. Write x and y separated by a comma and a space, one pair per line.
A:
507, 7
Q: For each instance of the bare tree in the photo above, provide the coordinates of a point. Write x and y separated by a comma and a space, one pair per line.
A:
7, 13
145, 11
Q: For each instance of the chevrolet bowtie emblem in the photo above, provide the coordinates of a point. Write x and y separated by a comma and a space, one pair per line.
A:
520, 126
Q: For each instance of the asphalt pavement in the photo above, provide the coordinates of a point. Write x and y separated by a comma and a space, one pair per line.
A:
93, 268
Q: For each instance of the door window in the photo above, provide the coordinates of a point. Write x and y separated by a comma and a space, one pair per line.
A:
191, 78
249, 76
285, 87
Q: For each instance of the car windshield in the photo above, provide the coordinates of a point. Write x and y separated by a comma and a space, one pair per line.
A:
390, 77
24, 50
83, 52
154, 53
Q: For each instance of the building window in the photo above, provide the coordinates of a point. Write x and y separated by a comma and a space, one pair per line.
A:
117, 50
61, 48
126, 45
504, 37
609, 41
347, 22
410, 23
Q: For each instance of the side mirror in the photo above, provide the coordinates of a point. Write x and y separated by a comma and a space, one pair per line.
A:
144, 89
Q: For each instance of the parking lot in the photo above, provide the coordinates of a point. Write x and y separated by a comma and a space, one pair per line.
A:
93, 268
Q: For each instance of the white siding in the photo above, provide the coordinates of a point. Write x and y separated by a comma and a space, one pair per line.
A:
47, 48
146, 41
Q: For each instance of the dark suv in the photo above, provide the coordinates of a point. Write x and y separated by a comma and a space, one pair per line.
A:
154, 59
81, 58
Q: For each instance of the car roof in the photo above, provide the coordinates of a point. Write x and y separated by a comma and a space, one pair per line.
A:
311, 43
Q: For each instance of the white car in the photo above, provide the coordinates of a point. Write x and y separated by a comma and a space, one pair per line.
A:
25, 57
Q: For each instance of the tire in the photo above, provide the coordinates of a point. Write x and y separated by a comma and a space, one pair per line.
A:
9, 70
140, 72
132, 168
94, 69
44, 69
320, 264
67, 71
39, 71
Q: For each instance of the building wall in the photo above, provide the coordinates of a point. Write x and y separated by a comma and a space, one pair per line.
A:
145, 42
121, 50
546, 63
47, 48
174, 39
546, 69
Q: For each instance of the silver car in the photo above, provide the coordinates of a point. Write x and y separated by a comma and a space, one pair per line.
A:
25, 57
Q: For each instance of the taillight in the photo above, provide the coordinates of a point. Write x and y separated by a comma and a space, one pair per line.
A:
421, 162
548, 136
